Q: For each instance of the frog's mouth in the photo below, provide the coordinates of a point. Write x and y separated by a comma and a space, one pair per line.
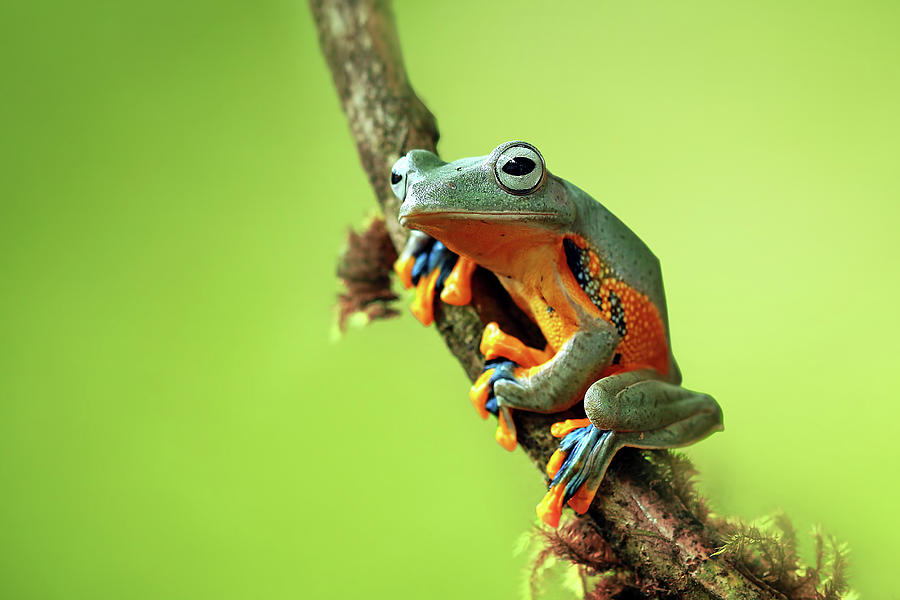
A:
425, 219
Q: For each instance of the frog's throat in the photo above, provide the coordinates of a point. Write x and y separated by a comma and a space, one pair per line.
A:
507, 244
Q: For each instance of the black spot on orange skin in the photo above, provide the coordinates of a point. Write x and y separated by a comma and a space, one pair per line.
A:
634, 316
617, 313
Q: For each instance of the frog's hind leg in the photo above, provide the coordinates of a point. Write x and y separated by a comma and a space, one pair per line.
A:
585, 451
629, 409
653, 414
432, 269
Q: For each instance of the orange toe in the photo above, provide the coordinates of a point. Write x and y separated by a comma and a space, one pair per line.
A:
555, 463
478, 393
423, 304
582, 499
506, 433
550, 508
566, 427
458, 287
497, 344
403, 268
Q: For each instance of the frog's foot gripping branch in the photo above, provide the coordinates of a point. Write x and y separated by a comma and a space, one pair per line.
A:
576, 468
431, 268
485, 401
627, 409
506, 357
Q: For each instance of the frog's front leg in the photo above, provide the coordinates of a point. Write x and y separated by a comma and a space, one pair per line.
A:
431, 268
517, 376
629, 409
560, 381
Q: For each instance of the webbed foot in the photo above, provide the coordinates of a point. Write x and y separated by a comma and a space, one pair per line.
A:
576, 468
431, 268
629, 409
485, 400
506, 358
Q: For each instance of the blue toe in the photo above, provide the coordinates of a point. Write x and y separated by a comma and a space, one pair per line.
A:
581, 445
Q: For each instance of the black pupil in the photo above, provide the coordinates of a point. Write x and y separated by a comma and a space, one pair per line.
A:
518, 165
395, 177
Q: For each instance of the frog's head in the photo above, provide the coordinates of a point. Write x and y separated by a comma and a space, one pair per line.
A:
479, 206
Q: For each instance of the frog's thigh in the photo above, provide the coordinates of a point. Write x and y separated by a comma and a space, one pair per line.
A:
652, 413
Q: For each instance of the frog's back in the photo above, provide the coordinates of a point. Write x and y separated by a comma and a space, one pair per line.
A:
622, 279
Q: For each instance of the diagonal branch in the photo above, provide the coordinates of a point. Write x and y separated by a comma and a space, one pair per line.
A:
643, 518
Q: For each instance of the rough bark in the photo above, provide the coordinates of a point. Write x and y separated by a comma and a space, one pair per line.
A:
647, 524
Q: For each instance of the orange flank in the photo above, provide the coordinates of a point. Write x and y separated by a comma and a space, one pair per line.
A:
506, 432
645, 341
566, 427
403, 268
582, 499
556, 461
478, 393
550, 507
496, 344
633, 314
423, 304
458, 287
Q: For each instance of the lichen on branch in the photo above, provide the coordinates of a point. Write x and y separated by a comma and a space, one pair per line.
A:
365, 267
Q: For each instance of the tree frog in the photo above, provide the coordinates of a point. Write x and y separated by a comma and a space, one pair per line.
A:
586, 280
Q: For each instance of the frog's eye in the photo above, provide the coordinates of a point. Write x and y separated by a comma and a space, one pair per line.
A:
398, 177
520, 169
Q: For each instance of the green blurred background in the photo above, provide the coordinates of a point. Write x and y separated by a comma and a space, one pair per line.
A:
177, 181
